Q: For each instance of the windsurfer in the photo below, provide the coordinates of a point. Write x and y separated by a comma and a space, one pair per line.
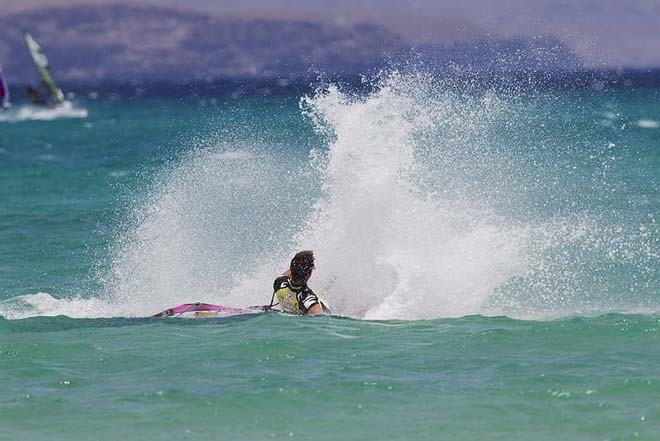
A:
47, 94
37, 97
291, 288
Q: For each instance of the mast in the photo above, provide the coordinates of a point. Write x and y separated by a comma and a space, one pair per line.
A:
41, 63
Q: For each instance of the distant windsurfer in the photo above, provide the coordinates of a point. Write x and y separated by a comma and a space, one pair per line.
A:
291, 290
47, 94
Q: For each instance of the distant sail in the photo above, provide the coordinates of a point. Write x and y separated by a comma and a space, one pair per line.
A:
4, 92
41, 62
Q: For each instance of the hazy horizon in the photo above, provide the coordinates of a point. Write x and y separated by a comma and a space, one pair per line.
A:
603, 33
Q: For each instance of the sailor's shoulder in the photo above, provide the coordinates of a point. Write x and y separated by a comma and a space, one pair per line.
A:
308, 294
281, 282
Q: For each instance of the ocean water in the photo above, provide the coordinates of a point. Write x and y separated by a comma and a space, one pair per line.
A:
491, 255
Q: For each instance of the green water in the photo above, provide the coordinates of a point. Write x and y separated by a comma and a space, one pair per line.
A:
492, 257
321, 378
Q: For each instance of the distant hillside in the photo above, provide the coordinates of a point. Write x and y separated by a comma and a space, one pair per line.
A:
121, 42
125, 42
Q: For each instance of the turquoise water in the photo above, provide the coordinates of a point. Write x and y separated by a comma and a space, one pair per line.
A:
492, 256
257, 378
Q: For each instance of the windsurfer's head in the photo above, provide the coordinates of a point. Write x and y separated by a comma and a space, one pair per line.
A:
301, 267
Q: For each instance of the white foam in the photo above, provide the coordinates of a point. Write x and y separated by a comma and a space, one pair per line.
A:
211, 218
385, 248
389, 249
648, 124
34, 113
406, 208
44, 304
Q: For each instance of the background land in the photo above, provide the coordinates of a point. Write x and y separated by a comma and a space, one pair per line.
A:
161, 40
